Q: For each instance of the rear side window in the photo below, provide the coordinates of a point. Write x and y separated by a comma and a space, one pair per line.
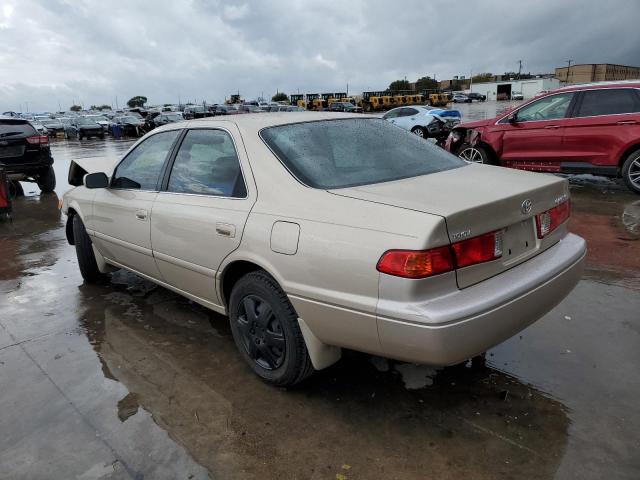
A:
343, 153
609, 101
11, 128
141, 168
207, 164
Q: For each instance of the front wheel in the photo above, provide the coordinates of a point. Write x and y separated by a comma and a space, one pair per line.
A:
47, 180
631, 171
474, 154
419, 131
266, 331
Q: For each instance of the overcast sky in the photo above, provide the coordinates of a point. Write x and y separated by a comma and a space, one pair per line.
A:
53, 52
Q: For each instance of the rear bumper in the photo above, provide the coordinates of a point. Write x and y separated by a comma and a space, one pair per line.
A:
452, 328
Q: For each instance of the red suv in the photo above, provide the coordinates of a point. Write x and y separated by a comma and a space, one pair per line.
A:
580, 129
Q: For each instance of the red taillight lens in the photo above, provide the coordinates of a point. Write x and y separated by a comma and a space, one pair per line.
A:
416, 264
548, 221
38, 140
480, 249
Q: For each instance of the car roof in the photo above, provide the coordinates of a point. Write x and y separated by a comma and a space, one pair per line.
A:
612, 84
258, 121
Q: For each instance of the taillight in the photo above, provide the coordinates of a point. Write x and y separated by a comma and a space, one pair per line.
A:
547, 222
425, 263
416, 263
38, 140
480, 249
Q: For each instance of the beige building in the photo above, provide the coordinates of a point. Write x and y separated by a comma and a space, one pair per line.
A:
596, 72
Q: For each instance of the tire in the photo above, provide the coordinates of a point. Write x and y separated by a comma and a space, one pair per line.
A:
631, 171
15, 189
47, 180
84, 252
79, 135
474, 154
102, 136
266, 331
419, 131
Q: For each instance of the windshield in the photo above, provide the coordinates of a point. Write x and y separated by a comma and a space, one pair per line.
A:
176, 117
50, 122
128, 119
86, 121
343, 153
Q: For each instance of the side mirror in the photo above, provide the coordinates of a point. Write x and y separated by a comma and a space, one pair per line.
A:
513, 118
96, 180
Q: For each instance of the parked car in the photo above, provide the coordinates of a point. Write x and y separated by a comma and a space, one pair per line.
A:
25, 154
425, 121
227, 110
53, 126
580, 129
458, 256
250, 108
101, 120
128, 125
196, 111
86, 127
295, 108
517, 96
40, 128
476, 96
167, 117
460, 98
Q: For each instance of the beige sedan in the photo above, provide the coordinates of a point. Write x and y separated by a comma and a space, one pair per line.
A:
316, 232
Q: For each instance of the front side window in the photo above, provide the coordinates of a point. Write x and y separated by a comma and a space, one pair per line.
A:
392, 113
608, 101
141, 169
407, 112
552, 107
343, 153
207, 164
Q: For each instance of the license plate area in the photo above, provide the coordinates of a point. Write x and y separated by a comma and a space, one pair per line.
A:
12, 151
519, 240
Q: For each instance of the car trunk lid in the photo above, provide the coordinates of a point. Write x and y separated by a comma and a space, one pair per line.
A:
474, 200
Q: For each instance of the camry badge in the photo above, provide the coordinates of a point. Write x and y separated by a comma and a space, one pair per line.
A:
525, 208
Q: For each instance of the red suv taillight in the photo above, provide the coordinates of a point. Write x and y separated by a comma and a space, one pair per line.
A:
38, 140
547, 222
425, 263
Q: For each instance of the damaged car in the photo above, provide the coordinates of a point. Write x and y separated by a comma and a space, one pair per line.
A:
319, 232
592, 128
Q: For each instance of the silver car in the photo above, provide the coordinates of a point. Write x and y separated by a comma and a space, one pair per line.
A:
318, 232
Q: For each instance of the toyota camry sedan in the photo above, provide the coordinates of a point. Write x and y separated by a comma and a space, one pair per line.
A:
322, 231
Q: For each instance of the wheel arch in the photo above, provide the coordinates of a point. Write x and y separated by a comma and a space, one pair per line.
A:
625, 154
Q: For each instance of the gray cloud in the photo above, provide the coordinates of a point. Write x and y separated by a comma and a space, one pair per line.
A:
57, 51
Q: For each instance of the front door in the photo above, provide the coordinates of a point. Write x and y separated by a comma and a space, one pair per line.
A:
199, 216
535, 138
121, 213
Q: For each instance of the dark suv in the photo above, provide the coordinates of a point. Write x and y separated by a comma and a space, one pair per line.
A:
25, 154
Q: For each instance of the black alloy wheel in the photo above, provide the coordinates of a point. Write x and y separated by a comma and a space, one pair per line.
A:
261, 332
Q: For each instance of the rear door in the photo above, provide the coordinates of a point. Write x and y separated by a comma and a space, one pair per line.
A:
606, 121
535, 139
122, 212
199, 216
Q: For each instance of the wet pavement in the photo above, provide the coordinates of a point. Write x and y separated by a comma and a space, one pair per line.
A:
128, 380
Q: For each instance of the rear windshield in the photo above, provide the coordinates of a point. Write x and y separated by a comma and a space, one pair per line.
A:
9, 128
360, 151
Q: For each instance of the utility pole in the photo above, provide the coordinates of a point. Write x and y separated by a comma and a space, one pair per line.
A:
569, 68
519, 68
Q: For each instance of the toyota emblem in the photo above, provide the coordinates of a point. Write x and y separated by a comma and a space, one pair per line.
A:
525, 208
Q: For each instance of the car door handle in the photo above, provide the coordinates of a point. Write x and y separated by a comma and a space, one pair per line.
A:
552, 126
226, 230
141, 215
627, 122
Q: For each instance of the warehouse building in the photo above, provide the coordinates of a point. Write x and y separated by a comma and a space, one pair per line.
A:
596, 72
502, 90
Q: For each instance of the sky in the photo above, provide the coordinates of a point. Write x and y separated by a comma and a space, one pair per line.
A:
57, 52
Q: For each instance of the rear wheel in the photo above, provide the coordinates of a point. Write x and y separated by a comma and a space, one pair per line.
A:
419, 131
474, 153
266, 331
84, 252
47, 180
631, 171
